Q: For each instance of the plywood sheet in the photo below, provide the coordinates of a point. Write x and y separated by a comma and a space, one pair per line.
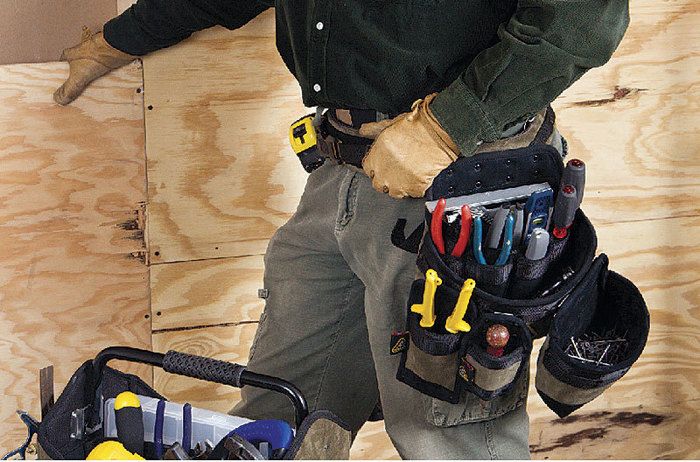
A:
634, 120
72, 192
222, 177
36, 31
206, 293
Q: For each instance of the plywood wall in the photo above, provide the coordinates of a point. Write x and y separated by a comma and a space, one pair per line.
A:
221, 179
73, 277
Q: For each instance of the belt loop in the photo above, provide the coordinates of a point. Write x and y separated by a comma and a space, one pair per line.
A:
318, 117
381, 116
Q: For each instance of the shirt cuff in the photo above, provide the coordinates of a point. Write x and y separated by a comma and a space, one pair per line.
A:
464, 117
122, 33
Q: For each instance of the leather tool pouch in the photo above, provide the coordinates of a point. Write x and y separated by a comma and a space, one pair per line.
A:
523, 295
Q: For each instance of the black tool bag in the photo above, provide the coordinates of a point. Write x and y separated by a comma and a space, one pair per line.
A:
606, 305
524, 295
73, 425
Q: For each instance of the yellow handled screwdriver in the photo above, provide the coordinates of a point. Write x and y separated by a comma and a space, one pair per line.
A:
427, 308
129, 419
455, 322
112, 450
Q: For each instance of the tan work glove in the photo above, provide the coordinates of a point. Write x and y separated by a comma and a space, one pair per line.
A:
93, 57
409, 151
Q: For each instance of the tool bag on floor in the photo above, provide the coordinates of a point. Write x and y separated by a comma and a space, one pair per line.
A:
75, 424
567, 295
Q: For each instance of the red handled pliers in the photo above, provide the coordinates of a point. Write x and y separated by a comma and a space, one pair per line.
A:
464, 231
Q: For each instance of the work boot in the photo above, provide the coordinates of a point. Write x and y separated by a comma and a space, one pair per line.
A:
90, 59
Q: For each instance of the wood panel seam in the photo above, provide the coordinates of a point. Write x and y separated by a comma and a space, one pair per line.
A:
203, 326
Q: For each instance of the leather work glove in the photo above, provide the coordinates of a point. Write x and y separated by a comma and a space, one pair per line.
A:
93, 57
409, 151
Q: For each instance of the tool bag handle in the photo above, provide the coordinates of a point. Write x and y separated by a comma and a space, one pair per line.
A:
211, 370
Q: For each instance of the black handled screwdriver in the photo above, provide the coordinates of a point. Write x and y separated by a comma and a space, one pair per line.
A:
129, 419
575, 174
564, 211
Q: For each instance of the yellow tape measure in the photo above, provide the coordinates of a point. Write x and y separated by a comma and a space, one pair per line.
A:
302, 134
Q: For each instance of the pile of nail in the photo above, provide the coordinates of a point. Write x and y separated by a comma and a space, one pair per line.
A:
603, 349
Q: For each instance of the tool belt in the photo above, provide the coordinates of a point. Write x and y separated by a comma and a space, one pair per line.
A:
568, 296
334, 134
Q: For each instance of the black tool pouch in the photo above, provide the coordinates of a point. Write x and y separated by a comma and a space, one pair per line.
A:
524, 295
605, 305
488, 376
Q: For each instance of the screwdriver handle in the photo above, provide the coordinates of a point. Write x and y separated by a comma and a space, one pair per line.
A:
455, 322
564, 210
427, 308
129, 420
575, 175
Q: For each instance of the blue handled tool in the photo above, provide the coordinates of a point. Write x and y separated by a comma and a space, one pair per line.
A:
537, 211
158, 429
507, 241
187, 427
277, 433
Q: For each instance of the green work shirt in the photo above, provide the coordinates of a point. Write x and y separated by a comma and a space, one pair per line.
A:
492, 62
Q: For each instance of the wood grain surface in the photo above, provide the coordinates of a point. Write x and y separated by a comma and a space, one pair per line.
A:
206, 293
222, 178
72, 196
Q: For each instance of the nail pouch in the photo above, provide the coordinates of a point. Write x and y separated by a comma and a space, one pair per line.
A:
598, 333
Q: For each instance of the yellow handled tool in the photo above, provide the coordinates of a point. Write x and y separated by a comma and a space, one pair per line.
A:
455, 322
112, 450
427, 308
129, 419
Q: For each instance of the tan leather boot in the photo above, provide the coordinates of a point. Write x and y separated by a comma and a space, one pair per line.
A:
93, 57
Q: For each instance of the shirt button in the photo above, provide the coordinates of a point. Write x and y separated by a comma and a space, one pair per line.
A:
317, 87
319, 25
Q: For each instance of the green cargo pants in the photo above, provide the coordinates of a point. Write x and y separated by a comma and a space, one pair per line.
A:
337, 288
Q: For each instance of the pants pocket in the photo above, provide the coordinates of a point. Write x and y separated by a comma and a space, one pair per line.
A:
470, 408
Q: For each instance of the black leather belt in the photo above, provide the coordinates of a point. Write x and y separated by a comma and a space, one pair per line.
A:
342, 143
